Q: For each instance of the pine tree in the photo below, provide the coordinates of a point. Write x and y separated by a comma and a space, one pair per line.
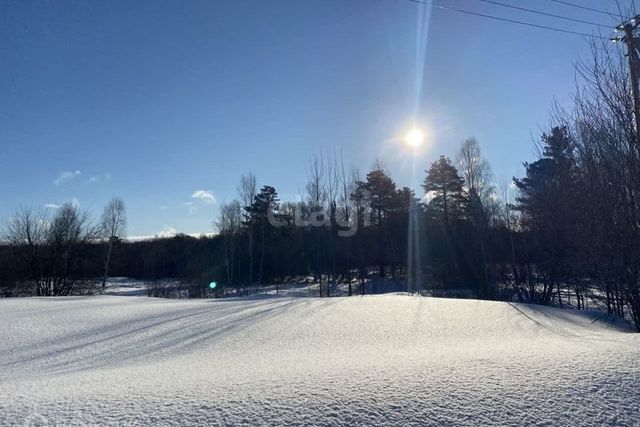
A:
546, 202
264, 202
449, 203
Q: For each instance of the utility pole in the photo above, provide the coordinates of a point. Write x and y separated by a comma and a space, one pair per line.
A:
633, 55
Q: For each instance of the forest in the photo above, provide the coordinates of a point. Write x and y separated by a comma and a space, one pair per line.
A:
567, 237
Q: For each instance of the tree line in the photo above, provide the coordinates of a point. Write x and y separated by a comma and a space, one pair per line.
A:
569, 236
57, 255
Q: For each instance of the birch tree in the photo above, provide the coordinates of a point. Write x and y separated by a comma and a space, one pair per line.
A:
113, 228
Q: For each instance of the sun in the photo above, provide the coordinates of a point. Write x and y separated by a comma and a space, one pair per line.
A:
414, 138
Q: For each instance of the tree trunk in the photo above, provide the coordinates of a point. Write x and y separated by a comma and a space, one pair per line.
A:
251, 255
262, 255
106, 264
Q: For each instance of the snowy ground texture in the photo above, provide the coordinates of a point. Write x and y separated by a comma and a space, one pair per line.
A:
380, 360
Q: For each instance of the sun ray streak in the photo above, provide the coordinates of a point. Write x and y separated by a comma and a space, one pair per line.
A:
423, 19
414, 269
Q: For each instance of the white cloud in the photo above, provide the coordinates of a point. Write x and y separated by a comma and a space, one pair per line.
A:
204, 195
51, 206
92, 179
107, 176
65, 177
167, 231
75, 202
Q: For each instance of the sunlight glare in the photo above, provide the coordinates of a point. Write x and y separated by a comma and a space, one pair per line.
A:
415, 138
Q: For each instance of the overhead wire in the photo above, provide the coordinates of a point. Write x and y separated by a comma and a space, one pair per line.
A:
538, 12
579, 6
498, 18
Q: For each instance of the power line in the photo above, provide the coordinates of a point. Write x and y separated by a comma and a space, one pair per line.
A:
513, 21
579, 6
538, 12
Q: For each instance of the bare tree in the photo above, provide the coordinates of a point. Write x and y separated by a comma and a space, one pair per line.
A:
113, 228
27, 232
49, 250
228, 225
332, 186
475, 171
247, 191
607, 147
315, 187
317, 196
347, 186
477, 177
332, 179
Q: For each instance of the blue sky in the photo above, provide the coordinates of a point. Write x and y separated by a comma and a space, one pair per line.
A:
158, 101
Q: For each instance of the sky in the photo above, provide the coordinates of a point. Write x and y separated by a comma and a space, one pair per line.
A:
166, 103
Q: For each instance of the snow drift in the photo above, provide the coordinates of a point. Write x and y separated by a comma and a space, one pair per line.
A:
377, 360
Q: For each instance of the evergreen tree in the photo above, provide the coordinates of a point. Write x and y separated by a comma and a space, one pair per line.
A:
449, 203
381, 192
546, 202
445, 213
265, 203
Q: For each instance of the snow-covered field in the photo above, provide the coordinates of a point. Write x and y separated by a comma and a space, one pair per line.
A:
379, 360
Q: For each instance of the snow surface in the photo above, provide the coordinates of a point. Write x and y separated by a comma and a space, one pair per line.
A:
377, 360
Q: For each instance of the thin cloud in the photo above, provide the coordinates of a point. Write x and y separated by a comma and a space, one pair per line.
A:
74, 202
205, 196
95, 178
192, 207
66, 176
